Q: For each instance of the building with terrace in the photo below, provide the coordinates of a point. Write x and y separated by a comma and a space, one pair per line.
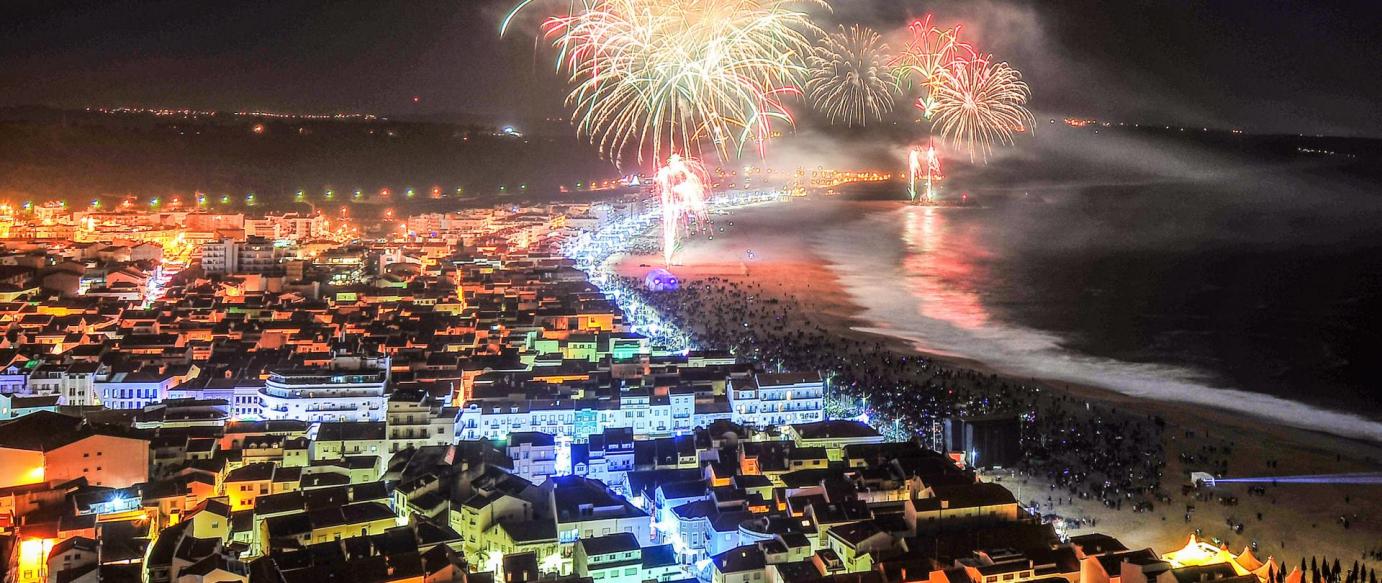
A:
351, 388
769, 399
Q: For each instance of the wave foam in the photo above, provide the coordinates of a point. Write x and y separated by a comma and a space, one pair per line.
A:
868, 256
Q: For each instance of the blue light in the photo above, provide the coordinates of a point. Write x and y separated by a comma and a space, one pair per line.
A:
1346, 478
594, 253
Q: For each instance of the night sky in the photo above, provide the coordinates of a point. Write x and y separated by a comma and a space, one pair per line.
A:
1261, 65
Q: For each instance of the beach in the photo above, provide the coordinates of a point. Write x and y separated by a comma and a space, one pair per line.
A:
775, 249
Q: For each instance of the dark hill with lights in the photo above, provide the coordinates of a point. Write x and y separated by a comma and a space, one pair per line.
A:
111, 155
48, 154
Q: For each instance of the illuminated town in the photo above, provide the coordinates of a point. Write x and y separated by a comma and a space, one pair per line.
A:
689, 291
229, 399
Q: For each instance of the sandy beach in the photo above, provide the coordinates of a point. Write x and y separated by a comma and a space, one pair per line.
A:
771, 247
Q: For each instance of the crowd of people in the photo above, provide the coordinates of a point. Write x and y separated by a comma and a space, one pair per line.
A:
1089, 451
1083, 451
1083, 461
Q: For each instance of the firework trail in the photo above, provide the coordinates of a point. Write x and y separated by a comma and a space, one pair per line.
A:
979, 103
928, 169
665, 75
933, 172
913, 168
930, 52
682, 186
850, 76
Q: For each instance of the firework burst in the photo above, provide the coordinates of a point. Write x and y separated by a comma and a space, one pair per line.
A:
930, 52
666, 75
980, 103
850, 76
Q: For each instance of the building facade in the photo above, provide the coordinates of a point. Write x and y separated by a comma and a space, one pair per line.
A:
352, 388
778, 399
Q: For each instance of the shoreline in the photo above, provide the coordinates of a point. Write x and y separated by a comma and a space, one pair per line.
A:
805, 278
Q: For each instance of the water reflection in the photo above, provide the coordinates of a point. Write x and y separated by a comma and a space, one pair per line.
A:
944, 263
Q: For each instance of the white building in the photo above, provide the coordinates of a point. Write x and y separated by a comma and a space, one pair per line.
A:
609, 457
497, 420
461, 225
302, 228
74, 384
13, 380
219, 256
254, 255
778, 399
287, 226
265, 227
352, 389
413, 421
781, 400
242, 395
534, 455
124, 390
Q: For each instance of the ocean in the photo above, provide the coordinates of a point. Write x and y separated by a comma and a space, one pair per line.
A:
1245, 291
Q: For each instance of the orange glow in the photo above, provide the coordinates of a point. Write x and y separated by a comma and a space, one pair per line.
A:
1196, 553
821, 178
33, 558
943, 262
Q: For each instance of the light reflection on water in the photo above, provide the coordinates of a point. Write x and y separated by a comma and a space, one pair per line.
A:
921, 274
942, 267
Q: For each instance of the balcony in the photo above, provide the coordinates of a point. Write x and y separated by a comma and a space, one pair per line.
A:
326, 408
326, 393
296, 379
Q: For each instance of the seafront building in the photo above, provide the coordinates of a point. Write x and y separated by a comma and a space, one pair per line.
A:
348, 388
285, 402
778, 399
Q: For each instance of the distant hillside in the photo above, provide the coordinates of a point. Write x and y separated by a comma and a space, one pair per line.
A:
50, 154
